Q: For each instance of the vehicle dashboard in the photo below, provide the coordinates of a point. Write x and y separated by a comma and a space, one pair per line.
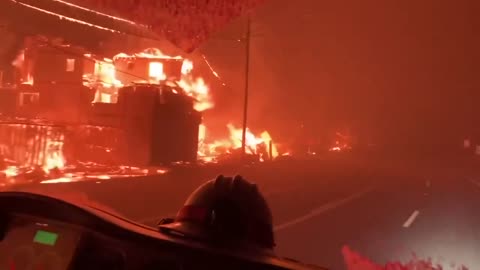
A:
43, 233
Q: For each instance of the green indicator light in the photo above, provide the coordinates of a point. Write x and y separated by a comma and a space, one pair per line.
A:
45, 238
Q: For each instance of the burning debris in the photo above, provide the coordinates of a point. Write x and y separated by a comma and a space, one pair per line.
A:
21, 175
261, 146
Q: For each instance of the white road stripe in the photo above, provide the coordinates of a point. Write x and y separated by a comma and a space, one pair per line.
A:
411, 219
322, 209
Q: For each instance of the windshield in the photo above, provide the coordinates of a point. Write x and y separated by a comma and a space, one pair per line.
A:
356, 119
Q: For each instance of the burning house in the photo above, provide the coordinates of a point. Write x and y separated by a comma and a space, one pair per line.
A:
139, 117
67, 104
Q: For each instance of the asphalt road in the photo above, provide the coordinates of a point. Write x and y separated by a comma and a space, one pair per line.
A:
387, 213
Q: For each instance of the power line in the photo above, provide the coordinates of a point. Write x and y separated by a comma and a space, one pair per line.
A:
247, 73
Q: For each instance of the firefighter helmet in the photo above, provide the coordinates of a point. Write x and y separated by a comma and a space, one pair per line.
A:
227, 211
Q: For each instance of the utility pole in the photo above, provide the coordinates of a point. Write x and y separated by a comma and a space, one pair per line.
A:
247, 73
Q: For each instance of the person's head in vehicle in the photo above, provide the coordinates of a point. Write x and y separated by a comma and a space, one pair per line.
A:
226, 211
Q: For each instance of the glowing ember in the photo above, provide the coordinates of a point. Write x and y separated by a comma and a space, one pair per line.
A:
162, 171
338, 147
98, 177
11, 171
58, 180
335, 149
81, 173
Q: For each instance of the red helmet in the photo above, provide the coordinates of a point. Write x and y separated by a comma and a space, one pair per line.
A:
227, 211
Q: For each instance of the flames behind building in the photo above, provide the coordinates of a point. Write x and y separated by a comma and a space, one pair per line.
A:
142, 109
68, 96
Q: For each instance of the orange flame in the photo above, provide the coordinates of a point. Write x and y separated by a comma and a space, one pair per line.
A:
197, 89
253, 143
104, 78
54, 158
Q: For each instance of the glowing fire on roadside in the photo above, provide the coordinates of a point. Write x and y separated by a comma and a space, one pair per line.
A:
338, 147
261, 145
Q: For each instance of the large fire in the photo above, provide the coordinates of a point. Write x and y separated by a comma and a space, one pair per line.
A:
105, 77
106, 81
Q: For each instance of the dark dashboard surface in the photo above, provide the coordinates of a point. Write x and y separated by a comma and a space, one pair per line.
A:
43, 233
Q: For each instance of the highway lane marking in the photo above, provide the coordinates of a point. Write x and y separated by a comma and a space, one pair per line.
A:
411, 219
322, 209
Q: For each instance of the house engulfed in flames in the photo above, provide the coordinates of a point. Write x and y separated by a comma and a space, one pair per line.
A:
142, 109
